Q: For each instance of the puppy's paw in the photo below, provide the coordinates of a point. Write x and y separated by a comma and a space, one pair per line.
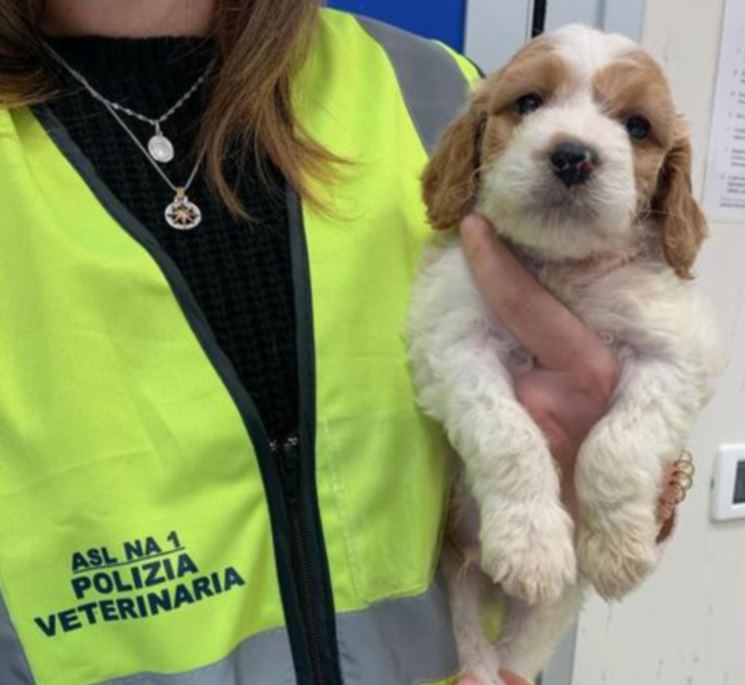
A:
616, 562
529, 550
478, 657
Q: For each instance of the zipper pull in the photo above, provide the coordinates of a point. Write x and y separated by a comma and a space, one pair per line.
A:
289, 463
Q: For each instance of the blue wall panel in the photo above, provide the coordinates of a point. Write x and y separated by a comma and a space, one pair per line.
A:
441, 19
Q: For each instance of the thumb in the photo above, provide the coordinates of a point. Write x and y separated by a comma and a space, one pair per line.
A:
507, 677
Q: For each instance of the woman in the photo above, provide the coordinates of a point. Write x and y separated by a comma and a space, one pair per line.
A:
211, 466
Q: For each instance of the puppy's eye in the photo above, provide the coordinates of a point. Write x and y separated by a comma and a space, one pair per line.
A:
638, 127
528, 103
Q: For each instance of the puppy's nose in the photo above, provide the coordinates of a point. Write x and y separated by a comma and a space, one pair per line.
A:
574, 162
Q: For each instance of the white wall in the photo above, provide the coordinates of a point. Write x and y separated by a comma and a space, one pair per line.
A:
687, 625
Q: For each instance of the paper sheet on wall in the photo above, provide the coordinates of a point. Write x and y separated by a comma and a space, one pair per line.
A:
724, 194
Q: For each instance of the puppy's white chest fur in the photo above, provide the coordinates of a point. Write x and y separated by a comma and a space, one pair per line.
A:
634, 302
631, 301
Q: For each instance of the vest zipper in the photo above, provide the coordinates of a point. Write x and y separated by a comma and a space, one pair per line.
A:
287, 453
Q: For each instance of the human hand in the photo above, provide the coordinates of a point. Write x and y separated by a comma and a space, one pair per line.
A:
575, 373
569, 387
508, 678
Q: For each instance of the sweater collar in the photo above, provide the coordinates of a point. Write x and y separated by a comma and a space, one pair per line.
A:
104, 60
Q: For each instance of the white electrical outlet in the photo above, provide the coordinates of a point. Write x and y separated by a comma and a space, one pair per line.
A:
728, 488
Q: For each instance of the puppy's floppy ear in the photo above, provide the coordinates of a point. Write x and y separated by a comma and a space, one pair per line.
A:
450, 180
682, 223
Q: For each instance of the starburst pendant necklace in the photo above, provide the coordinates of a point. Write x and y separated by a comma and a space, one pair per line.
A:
181, 214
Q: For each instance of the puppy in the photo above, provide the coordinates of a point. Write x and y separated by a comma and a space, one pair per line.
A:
575, 153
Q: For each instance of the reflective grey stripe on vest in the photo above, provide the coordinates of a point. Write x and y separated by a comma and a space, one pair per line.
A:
434, 87
396, 642
399, 642
14, 668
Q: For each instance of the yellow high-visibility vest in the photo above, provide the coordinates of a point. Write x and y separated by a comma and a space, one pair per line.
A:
150, 534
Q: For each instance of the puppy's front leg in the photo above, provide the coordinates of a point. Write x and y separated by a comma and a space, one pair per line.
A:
469, 589
526, 535
620, 468
531, 634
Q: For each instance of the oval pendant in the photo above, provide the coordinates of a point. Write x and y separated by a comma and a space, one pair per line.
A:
160, 148
182, 214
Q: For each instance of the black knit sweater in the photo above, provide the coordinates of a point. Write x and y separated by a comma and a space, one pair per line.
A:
240, 273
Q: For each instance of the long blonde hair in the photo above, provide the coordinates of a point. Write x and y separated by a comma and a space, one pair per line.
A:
260, 44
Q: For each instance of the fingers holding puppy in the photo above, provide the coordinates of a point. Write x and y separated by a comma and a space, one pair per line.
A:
507, 678
557, 338
678, 480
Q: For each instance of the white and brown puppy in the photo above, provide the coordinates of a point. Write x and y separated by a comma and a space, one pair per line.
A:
575, 153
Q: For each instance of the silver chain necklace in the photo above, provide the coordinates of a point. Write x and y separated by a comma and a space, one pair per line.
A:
181, 213
159, 147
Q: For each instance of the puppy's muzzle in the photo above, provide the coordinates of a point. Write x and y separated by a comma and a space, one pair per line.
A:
574, 163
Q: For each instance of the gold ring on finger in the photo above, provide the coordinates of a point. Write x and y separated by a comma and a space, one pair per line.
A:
686, 457
680, 493
686, 468
685, 482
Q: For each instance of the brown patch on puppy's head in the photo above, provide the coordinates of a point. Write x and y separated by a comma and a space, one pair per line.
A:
636, 86
481, 132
